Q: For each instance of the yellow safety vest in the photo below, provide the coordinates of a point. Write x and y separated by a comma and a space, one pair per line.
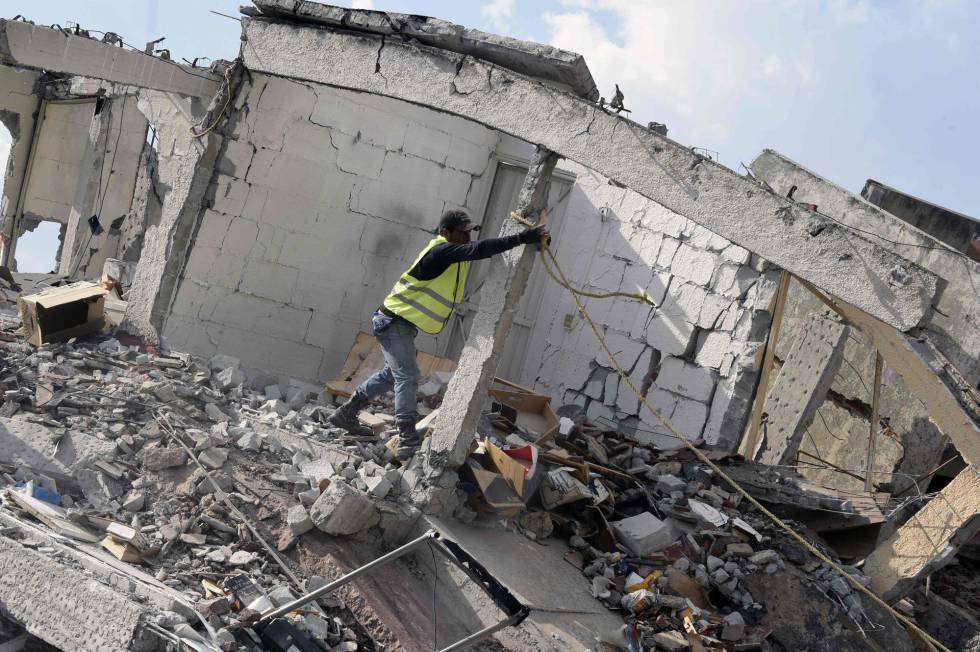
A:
428, 304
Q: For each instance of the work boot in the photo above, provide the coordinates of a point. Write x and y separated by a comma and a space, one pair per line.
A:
345, 417
409, 440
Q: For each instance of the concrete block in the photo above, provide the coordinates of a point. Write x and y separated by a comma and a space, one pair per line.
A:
342, 509
156, 459
467, 156
668, 248
733, 280
98, 489
659, 218
454, 186
688, 380
358, 157
689, 418
693, 265
643, 534
378, 486
298, 520
229, 195
671, 334
427, 143
712, 350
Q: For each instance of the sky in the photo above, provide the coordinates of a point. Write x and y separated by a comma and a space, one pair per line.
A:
851, 89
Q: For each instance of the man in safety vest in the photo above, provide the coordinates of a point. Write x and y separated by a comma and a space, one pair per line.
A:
423, 298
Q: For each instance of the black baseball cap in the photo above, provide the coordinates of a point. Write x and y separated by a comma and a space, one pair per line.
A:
457, 220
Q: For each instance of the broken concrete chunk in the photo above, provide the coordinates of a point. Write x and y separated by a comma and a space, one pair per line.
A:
134, 501
229, 378
734, 627
156, 459
251, 441
213, 458
193, 539
378, 486
222, 362
241, 558
671, 641
98, 488
643, 534
298, 520
343, 509
669, 484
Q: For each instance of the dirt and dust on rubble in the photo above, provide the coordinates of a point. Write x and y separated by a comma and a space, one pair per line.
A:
227, 492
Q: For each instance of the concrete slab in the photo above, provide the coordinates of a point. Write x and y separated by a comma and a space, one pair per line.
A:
536, 574
34, 445
37, 47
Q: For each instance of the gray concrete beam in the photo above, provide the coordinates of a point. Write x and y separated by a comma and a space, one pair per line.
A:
65, 607
929, 539
42, 48
801, 387
503, 287
831, 256
954, 325
545, 62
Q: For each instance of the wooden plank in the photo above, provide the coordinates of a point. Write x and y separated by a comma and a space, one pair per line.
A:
751, 441
911, 362
873, 434
51, 515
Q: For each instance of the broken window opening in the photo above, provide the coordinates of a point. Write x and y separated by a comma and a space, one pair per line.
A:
39, 247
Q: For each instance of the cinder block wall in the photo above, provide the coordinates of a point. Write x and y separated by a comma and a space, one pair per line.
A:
321, 198
694, 354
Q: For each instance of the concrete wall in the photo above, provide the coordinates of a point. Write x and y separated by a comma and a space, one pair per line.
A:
839, 432
713, 314
320, 199
17, 108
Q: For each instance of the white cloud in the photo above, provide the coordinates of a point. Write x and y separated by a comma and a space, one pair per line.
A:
362, 4
498, 12
773, 66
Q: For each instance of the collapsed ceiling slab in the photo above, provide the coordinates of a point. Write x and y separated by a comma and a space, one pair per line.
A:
43, 48
830, 255
544, 62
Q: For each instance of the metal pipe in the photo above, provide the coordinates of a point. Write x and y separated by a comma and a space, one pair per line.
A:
483, 633
349, 577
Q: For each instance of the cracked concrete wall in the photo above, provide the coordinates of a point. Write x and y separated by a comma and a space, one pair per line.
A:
125, 138
693, 355
839, 432
18, 104
321, 198
61, 146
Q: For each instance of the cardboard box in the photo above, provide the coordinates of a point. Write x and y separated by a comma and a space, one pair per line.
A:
517, 466
534, 412
365, 357
60, 313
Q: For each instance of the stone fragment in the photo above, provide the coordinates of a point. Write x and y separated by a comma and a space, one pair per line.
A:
734, 627
738, 550
669, 484
643, 534
241, 558
213, 458
156, 459
378, 486
98, 488
134, 501
251, 441
193, 539
343, 509
671, 641
298, 520
764, 557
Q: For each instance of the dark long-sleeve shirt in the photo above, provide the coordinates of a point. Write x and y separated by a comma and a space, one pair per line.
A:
442, 256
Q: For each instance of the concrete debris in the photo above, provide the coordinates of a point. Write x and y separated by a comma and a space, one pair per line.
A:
344, 509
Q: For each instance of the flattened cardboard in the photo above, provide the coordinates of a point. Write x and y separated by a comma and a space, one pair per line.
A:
516, 467
60, 313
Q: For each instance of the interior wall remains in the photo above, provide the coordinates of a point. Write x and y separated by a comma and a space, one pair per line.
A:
320, 199
693, 355
18, 106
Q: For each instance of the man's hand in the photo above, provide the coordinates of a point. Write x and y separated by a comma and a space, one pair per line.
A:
536, 234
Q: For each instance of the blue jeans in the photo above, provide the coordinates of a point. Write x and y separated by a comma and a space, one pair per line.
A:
401, 371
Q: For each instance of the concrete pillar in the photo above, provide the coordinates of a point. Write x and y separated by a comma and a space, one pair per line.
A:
801, 387
91, 182
455, 426
929, 539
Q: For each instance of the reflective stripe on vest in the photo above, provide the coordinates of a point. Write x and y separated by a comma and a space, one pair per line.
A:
428, 304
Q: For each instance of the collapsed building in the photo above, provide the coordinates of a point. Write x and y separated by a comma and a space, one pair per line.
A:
258, 210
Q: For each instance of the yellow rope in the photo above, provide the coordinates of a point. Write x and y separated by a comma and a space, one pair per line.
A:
563, 281
217, 120
641, 296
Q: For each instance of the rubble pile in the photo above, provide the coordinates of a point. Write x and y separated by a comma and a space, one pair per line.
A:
689, 564
160, 454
